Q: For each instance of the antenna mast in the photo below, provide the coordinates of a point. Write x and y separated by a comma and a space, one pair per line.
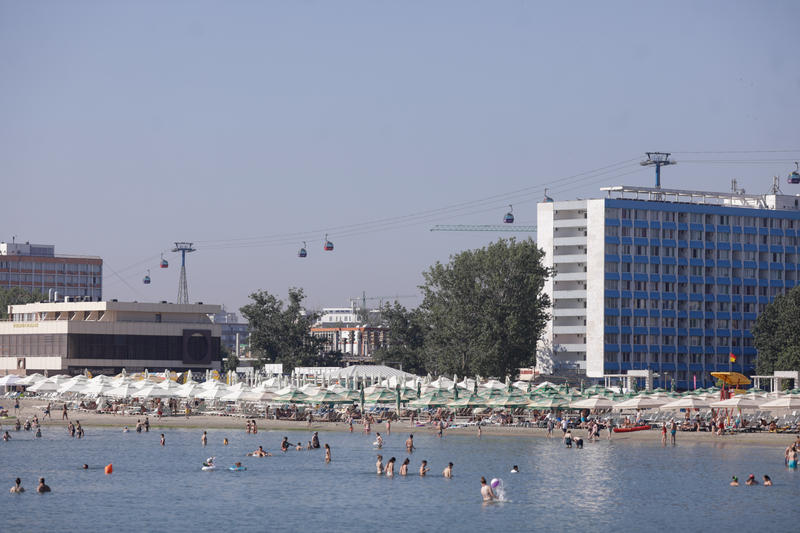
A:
183, 286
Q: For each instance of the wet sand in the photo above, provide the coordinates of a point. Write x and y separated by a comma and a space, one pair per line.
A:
200, 422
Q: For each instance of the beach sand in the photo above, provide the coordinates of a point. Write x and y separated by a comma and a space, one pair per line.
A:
201, 422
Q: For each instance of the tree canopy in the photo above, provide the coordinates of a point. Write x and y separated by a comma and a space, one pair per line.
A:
776, 335
17, 296
405, 338
484, 311
282, 333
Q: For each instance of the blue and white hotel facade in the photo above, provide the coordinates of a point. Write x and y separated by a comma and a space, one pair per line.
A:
664, 279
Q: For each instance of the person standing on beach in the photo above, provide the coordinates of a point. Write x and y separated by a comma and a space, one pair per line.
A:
480, 431
64, 412
610, 428
549, 427
410, 444
204, 438
664, 434
388, 426
147, 424
673, 428
163, 440
47, 412
486, 491
17, 409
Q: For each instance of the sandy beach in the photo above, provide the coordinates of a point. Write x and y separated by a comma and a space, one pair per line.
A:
88, 419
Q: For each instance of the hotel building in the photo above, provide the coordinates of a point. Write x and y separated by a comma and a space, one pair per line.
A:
664, 280
36, 267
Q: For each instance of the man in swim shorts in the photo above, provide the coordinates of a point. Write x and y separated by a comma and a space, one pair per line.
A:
410, 444
379, 465
448, 471
285, 444
423, 468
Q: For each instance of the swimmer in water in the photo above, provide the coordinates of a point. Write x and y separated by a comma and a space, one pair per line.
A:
225, 441
204, 438
390, 467
423, 468
327, 453
42, 488
85, 466
735, 482
486, 491
751, 480
515, 470
285, 444
767, 481
379, 465
17, 488
163, 440
410, 444
125, 429
404, 467
6, 436
260, 452
379, 440
38, 432
448, 471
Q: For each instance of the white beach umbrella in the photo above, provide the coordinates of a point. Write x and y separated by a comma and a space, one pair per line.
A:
72, 387
97, 389
790, 402
187, 390
214, 393
126, 390
640, 402
739, 402
597, 402
310, 390
10, 380
688, 402
153, 391
45, 385
493, 384
336, 389
31, 379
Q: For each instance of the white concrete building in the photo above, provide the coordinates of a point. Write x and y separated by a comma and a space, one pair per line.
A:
66, 337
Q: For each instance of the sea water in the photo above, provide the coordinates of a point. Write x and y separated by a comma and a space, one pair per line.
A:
610, 485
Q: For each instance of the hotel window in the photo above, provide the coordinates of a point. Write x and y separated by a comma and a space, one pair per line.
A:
667, 304
641, 250
669, 269
612, 212
625, 321
654, 268
640, 214
696, 218
654, 357
668, 216
611, 338
625, 249
667, 233
695, 235
723, 254
724, 237
695, 340
611, 267
612, 284
640, 268
611, 249
723, 220
776, 239
625, 231
625, 303
640, 232
612, 231
611, 303
625, 213
626, 357
612, 320
625, 338
654, 250
641, 303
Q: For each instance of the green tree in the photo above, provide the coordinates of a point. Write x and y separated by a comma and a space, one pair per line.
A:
282, 333
484, 311
405, 338
17, 296
776, 335
229, 360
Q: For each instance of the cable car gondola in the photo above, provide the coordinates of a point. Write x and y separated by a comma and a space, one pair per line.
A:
164, 262
509, 218
794, 177
146, 279
302, 252
328, 244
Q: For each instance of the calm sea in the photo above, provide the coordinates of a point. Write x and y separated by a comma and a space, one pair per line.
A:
607, 486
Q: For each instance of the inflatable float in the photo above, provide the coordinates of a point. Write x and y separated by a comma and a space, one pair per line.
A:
237, 468
628, 430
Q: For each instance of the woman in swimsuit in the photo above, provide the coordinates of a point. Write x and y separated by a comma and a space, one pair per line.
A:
404, 467
327, 453
390, 467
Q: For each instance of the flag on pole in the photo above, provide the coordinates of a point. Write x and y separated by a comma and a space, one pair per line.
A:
733, 357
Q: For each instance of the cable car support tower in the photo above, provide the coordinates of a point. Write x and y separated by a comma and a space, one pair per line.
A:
183, 286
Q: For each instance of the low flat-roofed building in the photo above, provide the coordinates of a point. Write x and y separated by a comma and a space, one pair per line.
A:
67, 337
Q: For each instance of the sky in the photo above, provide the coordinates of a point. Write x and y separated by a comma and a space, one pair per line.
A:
250, 127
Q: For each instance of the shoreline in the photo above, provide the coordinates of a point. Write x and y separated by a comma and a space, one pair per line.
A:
203, 422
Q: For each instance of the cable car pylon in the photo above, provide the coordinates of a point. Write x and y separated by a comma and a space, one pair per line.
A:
183, 286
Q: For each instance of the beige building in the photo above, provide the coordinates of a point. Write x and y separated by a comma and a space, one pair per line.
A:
66, 337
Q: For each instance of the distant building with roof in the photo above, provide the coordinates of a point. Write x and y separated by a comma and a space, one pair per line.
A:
355, 334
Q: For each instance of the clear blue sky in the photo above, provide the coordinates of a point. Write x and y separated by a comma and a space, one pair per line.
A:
125, 126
